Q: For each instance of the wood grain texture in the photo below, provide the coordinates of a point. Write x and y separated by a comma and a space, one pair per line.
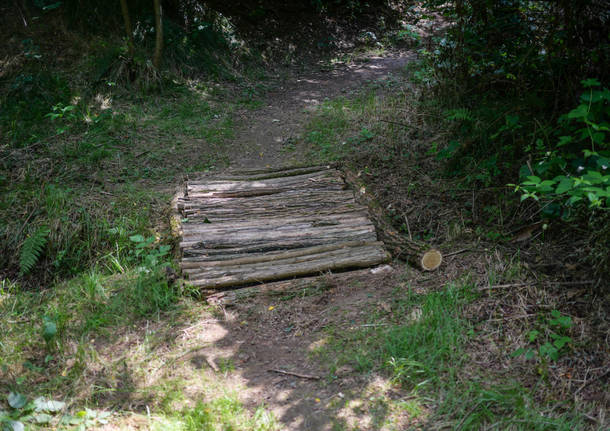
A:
244, 227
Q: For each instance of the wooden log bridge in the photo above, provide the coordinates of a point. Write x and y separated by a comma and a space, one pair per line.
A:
245, 227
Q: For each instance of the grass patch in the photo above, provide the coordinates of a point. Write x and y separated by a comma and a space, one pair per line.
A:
425, 353
48, 333
96, 172
331, 133
225, 413
86, 175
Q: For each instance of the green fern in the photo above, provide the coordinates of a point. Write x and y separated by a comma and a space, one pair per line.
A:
461, 114
32, 249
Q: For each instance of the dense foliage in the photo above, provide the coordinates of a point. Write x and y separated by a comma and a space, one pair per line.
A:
525, 84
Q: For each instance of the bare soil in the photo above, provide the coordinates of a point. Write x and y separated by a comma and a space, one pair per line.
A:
266, 132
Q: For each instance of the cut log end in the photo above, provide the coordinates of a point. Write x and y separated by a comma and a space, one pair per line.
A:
431, 260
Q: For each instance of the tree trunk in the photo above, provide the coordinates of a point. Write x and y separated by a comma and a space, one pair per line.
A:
159, 34
128, 29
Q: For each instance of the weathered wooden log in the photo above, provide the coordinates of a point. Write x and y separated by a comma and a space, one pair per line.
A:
328, 251
249, 233
216, 183
261, 174
250, 274
257, 226
211, 261
315, 213
417, 253
308, 284
233, 250
277, 224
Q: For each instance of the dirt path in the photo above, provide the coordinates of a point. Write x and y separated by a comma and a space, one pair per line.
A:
281, 333
262, 140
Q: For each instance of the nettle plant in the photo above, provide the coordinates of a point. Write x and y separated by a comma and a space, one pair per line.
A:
146, 252
550, 342
576, 170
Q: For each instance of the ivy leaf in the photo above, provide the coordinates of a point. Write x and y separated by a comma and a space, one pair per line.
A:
16, 400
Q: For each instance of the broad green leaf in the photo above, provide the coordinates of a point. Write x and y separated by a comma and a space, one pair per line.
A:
70, 420
547, 349
546, 185
16, 400
12, 426
561, 341
49, 329
564, 185
591, 82
564, 140
574, 199
136, 238
42, 418
518, 352
43, 405
52, 6
580, 112
593, 176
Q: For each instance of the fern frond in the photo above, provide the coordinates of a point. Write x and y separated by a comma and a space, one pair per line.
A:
32, 249
460, 114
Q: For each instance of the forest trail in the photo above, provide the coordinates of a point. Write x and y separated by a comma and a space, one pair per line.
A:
268, 134
265, 348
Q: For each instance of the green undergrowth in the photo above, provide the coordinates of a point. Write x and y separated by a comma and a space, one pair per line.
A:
87, 172
524, 165
347, 125
96, 170
424, 351
223, 413
420, 158
47, 333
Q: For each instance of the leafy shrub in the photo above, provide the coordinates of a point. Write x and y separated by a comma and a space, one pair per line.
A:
575, 170
554, 336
